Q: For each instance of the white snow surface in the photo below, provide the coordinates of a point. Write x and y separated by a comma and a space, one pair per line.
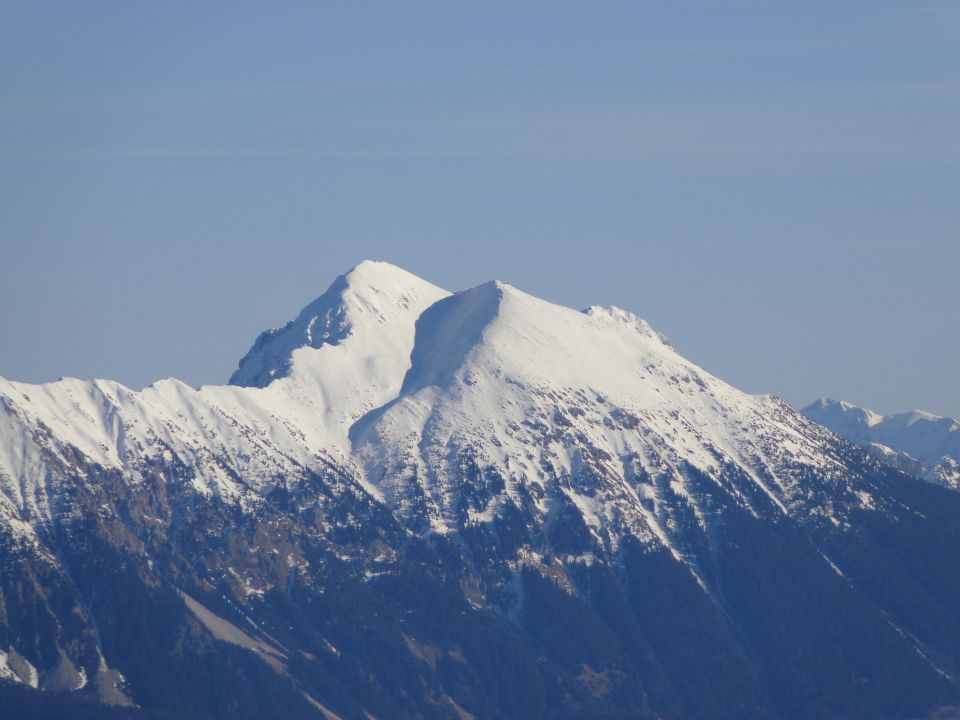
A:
16, 668
928, 438
393, 379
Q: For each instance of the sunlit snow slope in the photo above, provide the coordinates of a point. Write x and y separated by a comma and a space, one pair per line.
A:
405, 387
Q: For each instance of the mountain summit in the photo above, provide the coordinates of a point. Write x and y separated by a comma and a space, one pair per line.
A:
374, 302
416, 503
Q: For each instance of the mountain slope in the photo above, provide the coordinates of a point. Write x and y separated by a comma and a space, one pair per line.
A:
412, 503
595, 399
916, 442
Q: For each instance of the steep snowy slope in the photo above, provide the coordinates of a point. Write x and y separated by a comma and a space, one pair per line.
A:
931, 441
346, 353
592, 405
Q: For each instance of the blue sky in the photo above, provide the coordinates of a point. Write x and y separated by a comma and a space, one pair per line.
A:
776, 186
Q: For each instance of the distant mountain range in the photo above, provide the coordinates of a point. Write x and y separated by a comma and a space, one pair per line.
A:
412, 503
916, 442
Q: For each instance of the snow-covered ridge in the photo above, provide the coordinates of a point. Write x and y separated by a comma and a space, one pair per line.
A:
396, 381
933, 442
597, 399
346, 353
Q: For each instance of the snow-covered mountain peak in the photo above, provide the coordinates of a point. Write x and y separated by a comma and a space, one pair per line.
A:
927, 440
371, 294
345, 354
496, 329
448, 330
395, 381
914, 416
533, 391
844, 412
401, 470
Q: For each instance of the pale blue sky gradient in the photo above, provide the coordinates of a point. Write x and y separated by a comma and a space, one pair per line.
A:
774, 185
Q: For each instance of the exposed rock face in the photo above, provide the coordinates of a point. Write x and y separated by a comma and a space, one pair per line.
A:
413, 503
